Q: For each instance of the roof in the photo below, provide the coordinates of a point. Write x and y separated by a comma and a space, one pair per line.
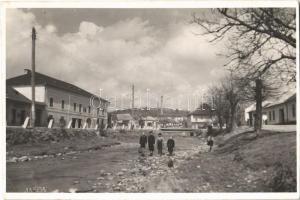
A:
124, 117
283, 98
149, 118
14, 95
41, 79
289, 96
204, 110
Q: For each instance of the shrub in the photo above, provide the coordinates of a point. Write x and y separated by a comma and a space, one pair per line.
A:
283, 179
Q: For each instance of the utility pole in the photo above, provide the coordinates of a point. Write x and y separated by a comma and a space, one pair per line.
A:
161, 105
148, 98
32, 120
132, 97
100, 94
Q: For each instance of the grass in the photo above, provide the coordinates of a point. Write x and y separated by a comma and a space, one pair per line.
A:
246, 163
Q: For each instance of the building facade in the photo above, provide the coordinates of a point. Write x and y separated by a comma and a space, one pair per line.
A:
279, 111
201, 117
63, 102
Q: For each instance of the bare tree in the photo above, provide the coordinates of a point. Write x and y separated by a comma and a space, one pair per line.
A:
261, 43
220, 104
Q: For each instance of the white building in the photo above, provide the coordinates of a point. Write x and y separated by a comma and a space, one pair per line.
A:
281, 110
63, 101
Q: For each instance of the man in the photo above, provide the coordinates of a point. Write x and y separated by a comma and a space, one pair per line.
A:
143, 142
170, 145
160, 143
151, 142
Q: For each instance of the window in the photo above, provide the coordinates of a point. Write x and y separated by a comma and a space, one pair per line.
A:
14, 116
51, 102
62, 104
273, 114
74, 106
294, 110
84, 109
80, 107
89, 109
98, 111
270, 115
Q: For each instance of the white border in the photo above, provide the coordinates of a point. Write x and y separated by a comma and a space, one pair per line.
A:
136, 4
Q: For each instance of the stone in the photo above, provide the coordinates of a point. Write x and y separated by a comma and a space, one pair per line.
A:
23, 159
12, 160
198, 166
120, 173
100, 178
75, 182
73, 190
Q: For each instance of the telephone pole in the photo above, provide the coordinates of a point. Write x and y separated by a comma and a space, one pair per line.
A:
132, 97
32, 120
161, 105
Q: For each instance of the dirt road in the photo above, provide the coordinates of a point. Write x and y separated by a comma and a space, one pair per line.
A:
118, 168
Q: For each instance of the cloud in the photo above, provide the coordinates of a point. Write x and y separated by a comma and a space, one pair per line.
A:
172, 61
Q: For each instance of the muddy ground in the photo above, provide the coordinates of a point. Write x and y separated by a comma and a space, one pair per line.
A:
118, 167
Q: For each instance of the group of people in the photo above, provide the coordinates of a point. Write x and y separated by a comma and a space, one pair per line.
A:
150, 140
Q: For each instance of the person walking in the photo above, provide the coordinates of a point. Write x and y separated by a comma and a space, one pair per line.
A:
143, 142
151, 142
210, 141
170, 145
160, 143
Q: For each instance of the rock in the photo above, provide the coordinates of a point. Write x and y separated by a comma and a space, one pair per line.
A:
120, 173
66, 148
198, 166
23, 159
62, 158
100, 178
73, 190
75, 182
229, 186
124, 170
59, 154
12, 160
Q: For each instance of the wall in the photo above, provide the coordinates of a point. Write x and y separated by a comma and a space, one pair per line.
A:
288, 113
18, 135
26, 91
19, 107
68, 112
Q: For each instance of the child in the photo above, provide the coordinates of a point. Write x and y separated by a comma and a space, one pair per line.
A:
170, 145
160, 142
210, 141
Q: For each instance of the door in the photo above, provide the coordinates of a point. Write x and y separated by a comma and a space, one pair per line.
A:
22, 117
38, 117
281, 116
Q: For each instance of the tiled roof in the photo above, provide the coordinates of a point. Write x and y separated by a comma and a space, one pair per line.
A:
41, 79
14, 95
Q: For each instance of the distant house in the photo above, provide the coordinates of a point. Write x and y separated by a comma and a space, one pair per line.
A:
62, 100
150, 122
18, 107
281, 110
122, 120
201, 117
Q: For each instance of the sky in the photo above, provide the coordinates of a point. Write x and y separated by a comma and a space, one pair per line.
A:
111, 49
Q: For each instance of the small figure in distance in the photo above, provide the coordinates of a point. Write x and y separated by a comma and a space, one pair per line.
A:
210, 141
143, 142
151, 142
160, 143
170, 145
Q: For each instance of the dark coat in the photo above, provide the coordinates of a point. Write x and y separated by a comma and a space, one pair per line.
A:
151, 140
143, 141
170, 143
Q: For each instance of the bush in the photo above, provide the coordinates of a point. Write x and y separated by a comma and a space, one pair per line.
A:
283, 179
